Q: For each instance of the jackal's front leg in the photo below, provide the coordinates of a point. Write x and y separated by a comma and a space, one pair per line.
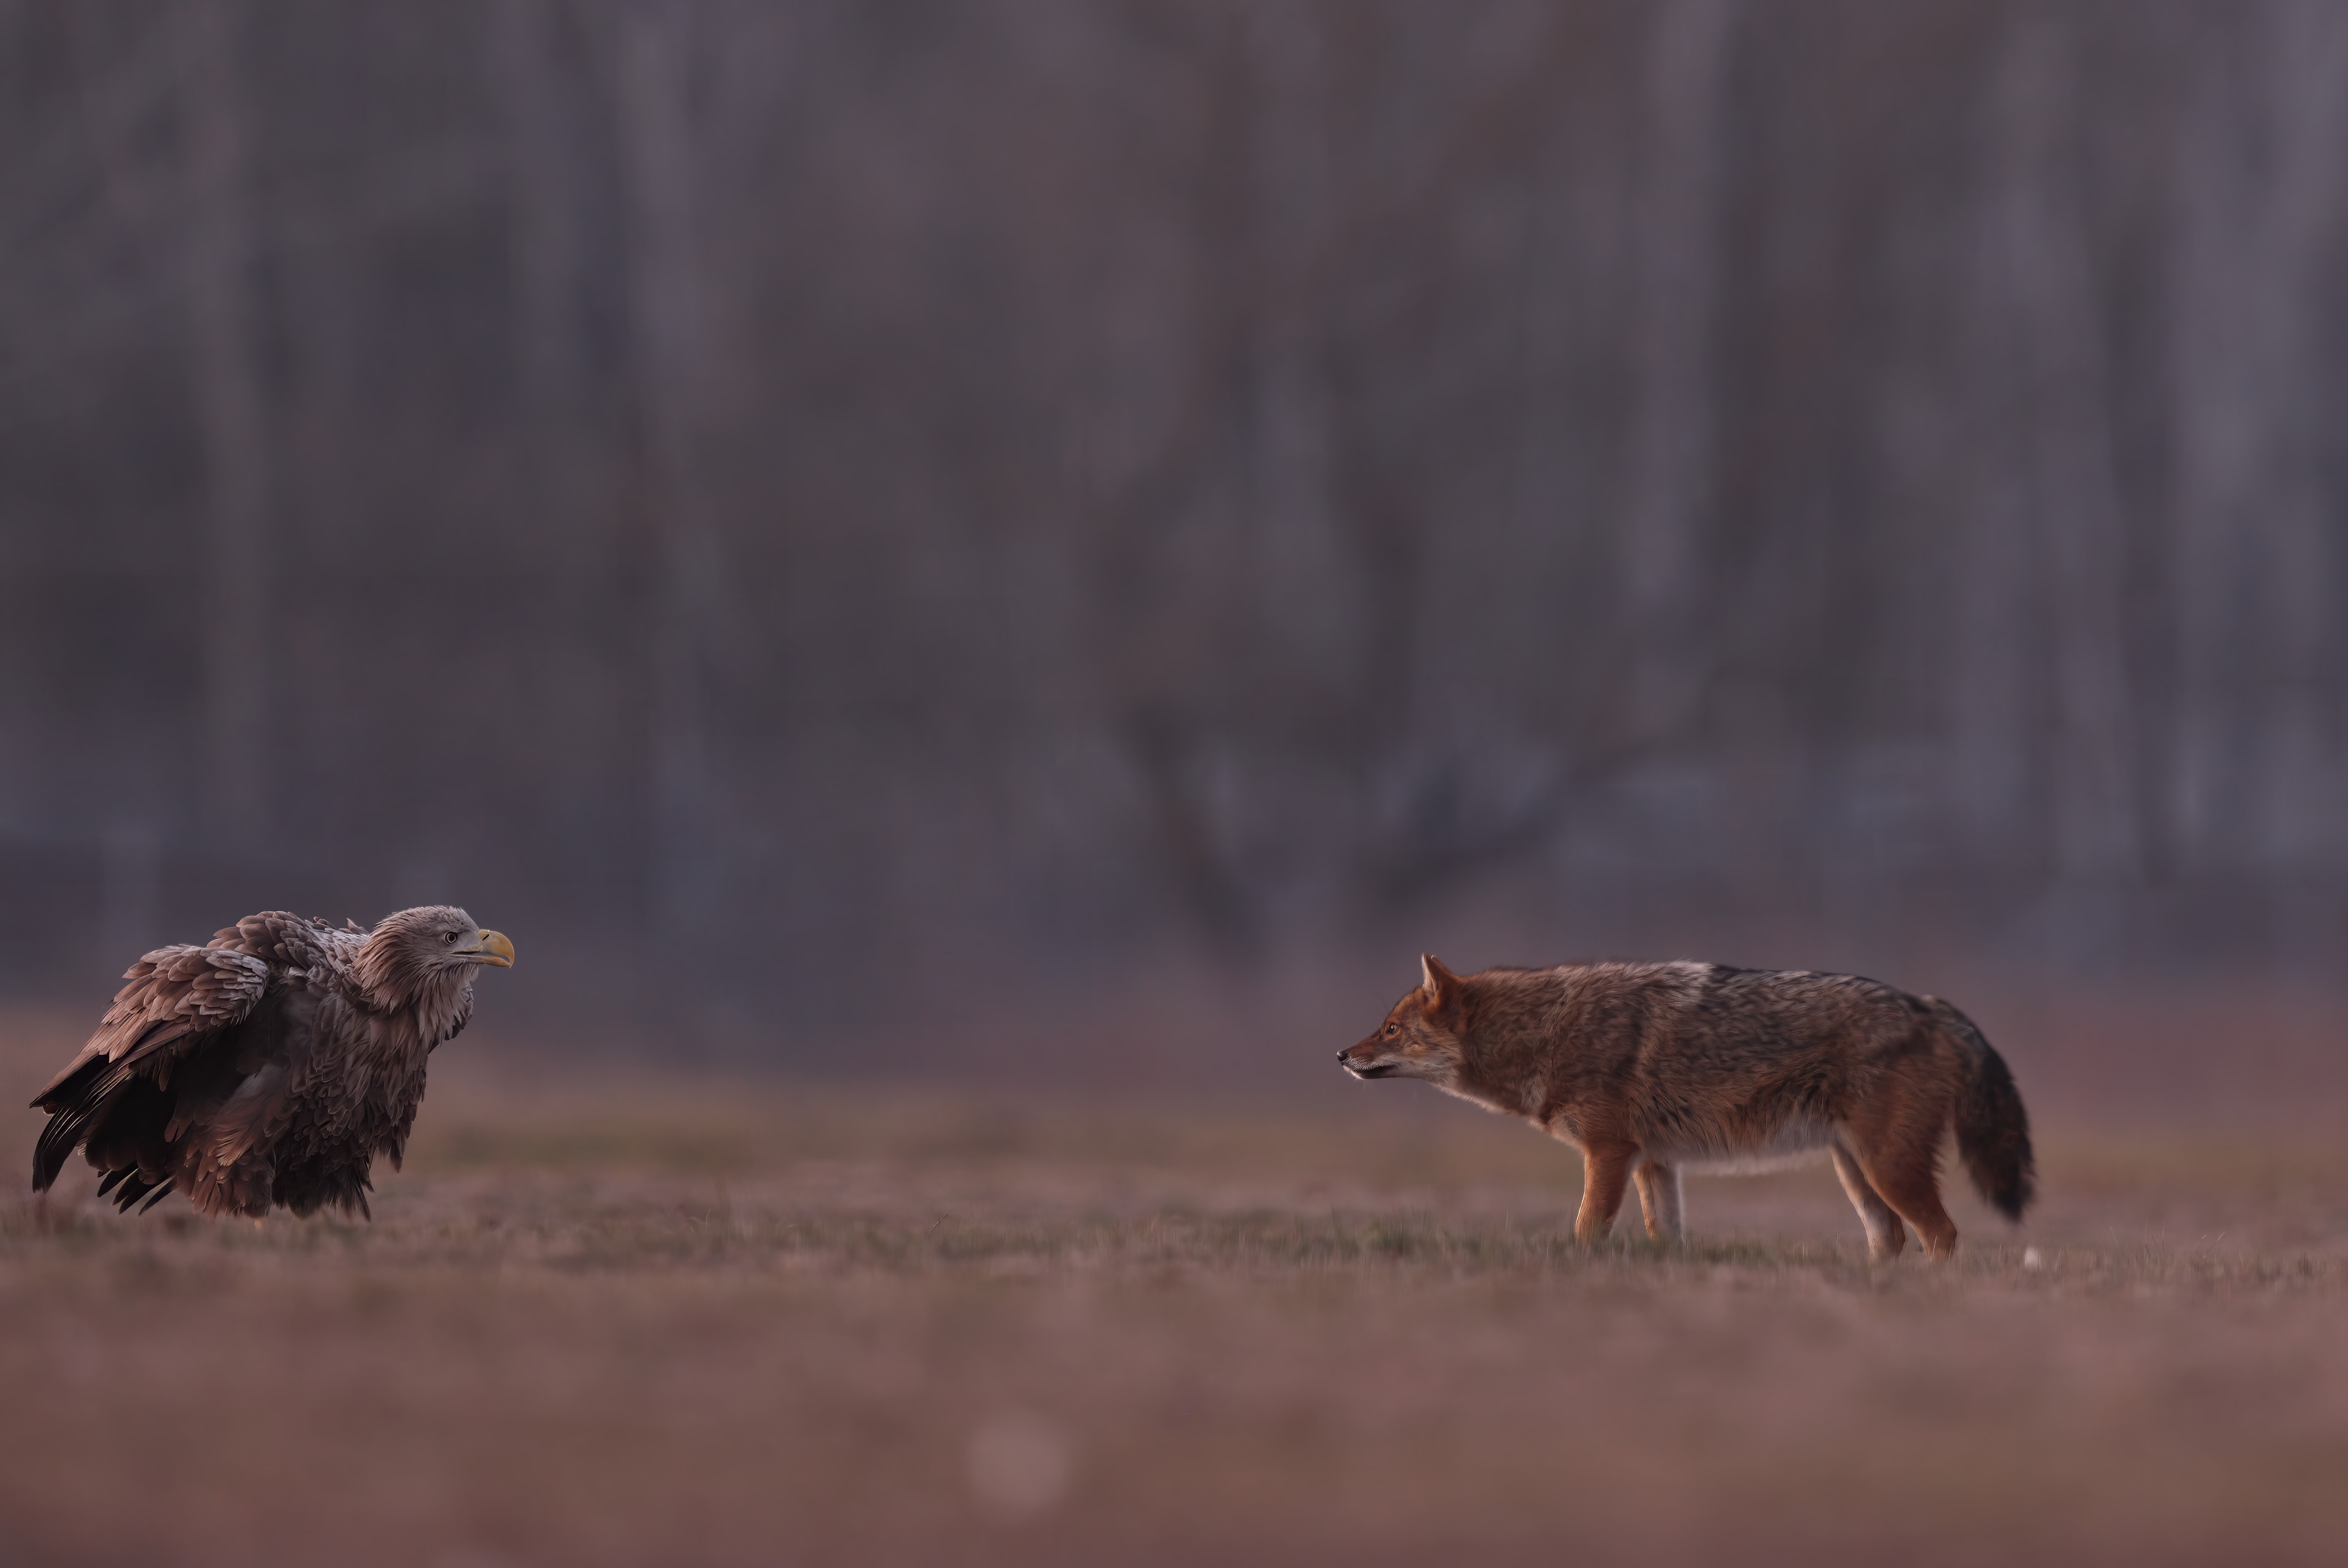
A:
1605, 1173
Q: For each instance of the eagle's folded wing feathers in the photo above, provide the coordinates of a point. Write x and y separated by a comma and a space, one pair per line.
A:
176, 997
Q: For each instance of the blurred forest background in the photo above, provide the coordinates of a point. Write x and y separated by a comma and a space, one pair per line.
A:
868, 512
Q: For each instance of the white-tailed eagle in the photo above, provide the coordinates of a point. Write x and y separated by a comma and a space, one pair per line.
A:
269, 1065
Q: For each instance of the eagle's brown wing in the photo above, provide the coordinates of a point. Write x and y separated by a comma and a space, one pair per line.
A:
177, 999
233, 1102
173, 993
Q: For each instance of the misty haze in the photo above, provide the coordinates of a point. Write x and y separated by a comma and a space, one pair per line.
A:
976, 583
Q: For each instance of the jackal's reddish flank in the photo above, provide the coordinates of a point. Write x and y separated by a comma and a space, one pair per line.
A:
1653, 1069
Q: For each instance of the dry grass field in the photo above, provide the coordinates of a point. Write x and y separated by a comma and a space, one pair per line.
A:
729, 1324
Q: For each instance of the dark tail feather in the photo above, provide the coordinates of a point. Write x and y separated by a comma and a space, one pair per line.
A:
134, 1187
70, 1122
58, 1140
111, 1178
160, 1193
1992, 1129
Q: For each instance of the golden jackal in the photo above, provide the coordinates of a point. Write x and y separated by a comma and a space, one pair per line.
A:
1653, 1070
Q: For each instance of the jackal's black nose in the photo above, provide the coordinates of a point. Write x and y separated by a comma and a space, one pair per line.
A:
1341, 1056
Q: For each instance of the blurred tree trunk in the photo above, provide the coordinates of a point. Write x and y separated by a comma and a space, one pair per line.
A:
2064, 452
656, 42
234, 571
129, 179
1671, 474
544, 247
1307, 603
2263, 157
1168, 580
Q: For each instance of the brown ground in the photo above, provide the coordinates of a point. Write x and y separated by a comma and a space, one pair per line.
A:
765, 1324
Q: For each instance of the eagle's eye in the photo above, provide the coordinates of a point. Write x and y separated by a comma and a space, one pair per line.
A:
448, 936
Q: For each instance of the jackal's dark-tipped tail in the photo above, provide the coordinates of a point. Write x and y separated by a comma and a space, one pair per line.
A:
1992, 1129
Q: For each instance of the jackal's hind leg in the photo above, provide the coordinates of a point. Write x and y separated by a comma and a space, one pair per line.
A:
1911, 1186
1885, 1234
1659, 1199
1604, 1178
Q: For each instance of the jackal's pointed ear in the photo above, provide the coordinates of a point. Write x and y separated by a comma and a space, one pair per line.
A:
1443, 987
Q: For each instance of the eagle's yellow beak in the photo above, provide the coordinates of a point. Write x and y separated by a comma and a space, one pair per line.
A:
491, 947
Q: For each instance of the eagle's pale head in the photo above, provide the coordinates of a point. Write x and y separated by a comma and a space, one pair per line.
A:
408, 950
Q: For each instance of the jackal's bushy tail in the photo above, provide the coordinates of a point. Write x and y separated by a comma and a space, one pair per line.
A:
1992, 1129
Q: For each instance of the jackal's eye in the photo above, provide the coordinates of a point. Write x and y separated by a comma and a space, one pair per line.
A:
1393, 1029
